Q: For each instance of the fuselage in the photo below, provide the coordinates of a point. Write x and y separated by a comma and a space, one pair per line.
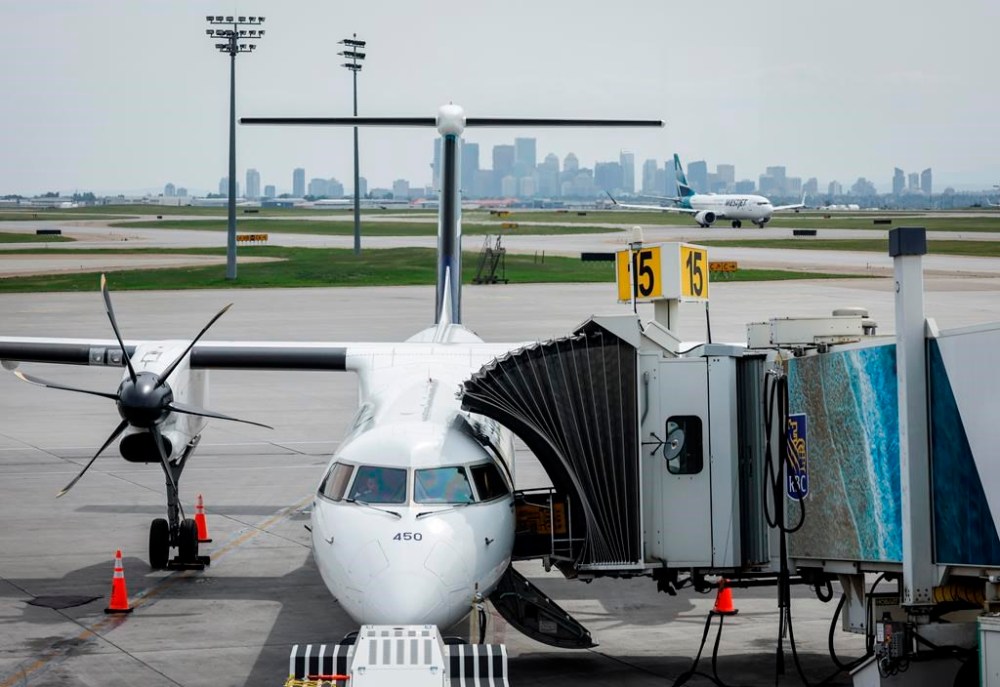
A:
414, 516
752, 208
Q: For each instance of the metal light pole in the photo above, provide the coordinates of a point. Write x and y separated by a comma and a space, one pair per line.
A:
353, 53
234, 41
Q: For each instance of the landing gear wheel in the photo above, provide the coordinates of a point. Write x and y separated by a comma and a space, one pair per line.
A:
187, 547
159, 544
737, 224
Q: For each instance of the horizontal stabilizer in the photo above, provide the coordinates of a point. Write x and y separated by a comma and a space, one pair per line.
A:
432, 122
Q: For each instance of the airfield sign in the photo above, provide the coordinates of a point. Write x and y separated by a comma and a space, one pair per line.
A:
676, 271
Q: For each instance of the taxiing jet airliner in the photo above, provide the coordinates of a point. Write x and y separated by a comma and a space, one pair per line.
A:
706, 208
413, 519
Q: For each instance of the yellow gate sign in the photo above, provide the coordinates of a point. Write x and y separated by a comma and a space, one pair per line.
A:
647, 267
677, 271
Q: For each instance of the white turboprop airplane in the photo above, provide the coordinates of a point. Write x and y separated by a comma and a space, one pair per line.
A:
413, 520
706, 208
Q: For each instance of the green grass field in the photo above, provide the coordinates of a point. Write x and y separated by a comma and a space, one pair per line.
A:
310, 267
346, 227
9, 237
122, 211
977, 248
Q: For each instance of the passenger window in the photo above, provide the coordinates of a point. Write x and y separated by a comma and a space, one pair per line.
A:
442, 485
683, 447
489, 482
379, 485
335, 483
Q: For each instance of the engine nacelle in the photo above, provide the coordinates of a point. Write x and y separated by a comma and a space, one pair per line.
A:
705, 218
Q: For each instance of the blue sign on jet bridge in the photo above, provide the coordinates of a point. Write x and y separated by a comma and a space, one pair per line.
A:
798, 459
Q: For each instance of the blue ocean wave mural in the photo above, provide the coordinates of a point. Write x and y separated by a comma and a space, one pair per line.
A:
853, 509
965, 533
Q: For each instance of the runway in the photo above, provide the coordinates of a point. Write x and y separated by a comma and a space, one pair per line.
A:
234, 623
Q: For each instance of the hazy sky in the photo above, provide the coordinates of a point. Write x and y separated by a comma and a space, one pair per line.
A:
116, 95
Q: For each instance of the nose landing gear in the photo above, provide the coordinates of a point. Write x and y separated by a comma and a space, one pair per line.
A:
737, 224
175, 530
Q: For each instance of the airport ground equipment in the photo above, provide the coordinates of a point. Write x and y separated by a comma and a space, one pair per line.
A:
389, 656
819, 452
492, 257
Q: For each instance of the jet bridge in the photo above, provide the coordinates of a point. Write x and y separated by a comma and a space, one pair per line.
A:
865, 455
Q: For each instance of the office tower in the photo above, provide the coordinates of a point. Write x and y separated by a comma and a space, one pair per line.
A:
401, 189
548, 176
835, 189
925, 181
503, 166
914, 185
182, 192
649, 185
169, 190
627, 162
793, 186
526, 187
470, 165
270, 191
508, 186
898, 181
770, 186
299, 182
660, 183
571, 163
318, 188
811, 187
697, 176
334, 189
436, 164
224, 187
363, 187
608, 176
525, 158
253, 184
726, 175
744, 186
863, 187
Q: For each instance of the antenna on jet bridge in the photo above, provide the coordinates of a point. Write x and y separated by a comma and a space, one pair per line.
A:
450, 123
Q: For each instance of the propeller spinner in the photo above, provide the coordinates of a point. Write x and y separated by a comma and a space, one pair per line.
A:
144, 399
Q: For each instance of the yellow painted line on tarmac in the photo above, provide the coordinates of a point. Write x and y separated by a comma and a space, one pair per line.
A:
21, 675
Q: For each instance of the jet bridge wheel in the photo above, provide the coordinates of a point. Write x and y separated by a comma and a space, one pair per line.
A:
187, 544
159, 544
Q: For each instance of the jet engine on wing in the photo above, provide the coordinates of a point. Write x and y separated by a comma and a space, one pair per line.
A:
705, 218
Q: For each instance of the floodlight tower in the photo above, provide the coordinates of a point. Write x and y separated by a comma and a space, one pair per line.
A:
234, 39
353, 53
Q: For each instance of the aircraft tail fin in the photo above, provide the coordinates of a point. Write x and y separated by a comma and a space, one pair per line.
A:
684, 189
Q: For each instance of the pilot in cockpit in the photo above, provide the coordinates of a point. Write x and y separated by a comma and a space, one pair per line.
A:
443, 485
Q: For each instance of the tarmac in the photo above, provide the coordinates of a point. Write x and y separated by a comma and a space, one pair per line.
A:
234, 623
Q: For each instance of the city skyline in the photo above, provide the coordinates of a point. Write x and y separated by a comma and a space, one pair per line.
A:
124, 96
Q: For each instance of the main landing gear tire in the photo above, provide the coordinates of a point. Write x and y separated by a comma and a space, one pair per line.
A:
159, 544
187, 546
737, 224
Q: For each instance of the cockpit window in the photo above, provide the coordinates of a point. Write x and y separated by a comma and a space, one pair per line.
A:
335, 483
489, 483
374, 484
442, 485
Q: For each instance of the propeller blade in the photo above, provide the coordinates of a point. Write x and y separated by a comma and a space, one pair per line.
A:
114, 435
114, 325
158, 440
201, 412
173, 365
41, 382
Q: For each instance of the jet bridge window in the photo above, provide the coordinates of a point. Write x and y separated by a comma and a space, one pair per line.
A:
335, 483
490, 483
683, 447
442, 485
373, 484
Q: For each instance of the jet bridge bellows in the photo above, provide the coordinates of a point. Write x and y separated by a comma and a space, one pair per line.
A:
573, 402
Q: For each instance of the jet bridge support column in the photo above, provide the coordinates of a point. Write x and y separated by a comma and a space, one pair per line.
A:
907, 245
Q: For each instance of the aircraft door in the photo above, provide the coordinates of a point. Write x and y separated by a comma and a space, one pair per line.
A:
676, 474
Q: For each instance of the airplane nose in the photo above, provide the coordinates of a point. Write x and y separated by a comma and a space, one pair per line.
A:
405, 597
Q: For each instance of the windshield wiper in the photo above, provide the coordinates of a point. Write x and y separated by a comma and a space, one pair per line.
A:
380, 510
444, 510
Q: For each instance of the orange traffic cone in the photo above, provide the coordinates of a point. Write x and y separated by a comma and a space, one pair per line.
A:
119, 594
724, 600
199, 519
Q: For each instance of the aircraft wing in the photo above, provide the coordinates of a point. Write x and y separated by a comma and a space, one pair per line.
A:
249, 355
660, 208
792, 207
